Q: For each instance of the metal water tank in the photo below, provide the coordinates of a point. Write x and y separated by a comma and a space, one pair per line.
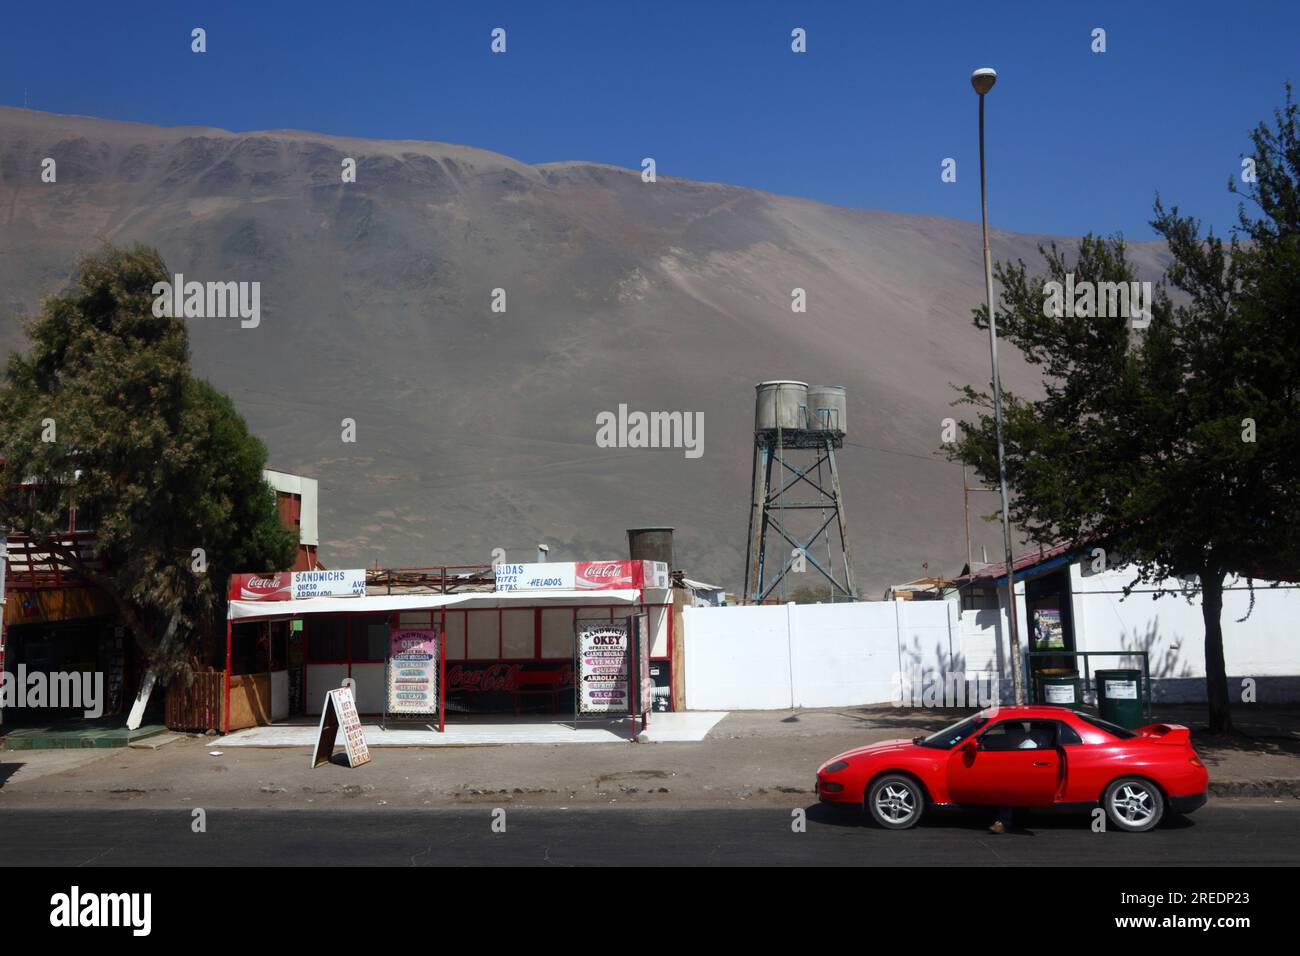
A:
651, 544
781, 404
827, 409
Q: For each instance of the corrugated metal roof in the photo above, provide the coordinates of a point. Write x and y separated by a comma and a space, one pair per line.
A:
1057, 554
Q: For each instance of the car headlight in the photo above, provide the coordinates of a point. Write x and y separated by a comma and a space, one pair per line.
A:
835, 767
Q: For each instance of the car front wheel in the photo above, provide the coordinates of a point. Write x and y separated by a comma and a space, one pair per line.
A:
895, 802
1133, 804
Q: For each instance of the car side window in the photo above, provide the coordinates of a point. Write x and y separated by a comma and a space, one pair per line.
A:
1019, 735
1004, 735
1067, 736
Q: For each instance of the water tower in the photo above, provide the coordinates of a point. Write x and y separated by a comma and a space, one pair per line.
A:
797, 510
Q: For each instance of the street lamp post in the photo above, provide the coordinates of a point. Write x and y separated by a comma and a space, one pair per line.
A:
982, 80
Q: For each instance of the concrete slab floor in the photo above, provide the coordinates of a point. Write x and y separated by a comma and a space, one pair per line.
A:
688, 727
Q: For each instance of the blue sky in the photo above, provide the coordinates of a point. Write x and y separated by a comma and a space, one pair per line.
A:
1078, 141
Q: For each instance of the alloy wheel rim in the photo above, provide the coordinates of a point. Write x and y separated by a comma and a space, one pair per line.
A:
895, 803
1133, 804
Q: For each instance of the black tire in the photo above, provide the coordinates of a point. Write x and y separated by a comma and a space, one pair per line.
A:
1133, 804
895, 802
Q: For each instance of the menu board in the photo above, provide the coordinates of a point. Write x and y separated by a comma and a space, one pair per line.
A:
602, 652
413, 671
340, 713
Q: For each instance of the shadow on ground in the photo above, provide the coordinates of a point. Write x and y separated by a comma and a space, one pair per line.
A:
975, 820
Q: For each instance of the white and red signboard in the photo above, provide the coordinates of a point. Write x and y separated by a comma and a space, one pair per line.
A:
557, 576
346, 583
602, 670
295, 585
340, 713
413, 671
582, 576
260, 587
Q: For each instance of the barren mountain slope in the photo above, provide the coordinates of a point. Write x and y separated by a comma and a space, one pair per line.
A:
475, 429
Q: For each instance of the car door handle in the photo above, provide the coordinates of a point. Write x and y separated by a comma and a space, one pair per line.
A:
1042, 763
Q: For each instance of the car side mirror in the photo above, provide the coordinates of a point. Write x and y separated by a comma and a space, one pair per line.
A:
969, 747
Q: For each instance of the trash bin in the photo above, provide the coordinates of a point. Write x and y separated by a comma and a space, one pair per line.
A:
1060, 689
1119, 697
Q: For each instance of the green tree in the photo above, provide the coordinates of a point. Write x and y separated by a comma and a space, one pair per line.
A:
1178, 445
103, 415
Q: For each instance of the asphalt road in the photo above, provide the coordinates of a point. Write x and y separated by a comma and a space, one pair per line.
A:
1223, 833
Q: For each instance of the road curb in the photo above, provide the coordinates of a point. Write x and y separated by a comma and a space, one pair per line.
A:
1268, 787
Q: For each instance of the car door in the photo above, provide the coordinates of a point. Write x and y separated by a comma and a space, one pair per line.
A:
1012, 763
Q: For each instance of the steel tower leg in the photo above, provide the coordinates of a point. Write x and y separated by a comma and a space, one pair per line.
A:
750, 552
758, 521
842, 519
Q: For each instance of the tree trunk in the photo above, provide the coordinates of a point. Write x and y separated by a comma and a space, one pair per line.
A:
136, 717
1216, 674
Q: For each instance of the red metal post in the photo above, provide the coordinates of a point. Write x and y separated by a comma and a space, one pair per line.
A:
225, 716
442, 671
633, 666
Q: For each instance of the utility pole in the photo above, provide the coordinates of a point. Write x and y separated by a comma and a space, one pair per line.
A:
982, 80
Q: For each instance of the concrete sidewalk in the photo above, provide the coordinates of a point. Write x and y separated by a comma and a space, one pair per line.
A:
754, 758
1261, 759
688, 727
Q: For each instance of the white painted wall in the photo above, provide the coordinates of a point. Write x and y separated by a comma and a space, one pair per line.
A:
321, 679
1170, 628
307, 488
737, 658
775, 657
839, 655
279, 695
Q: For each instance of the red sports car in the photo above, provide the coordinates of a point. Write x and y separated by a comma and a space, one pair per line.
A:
1023, 757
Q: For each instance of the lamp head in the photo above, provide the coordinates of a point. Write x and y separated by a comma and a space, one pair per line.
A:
983, 79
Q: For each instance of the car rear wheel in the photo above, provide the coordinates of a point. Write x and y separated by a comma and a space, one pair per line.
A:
1133, 804
895, 802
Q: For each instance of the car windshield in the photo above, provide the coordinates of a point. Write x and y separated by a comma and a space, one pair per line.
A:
950, 737
1113, 729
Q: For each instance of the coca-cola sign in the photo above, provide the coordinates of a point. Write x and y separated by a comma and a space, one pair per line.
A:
260, 587
582, 575
604, 574
296, 585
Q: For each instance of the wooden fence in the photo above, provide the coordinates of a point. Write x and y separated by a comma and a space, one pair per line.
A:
200, 705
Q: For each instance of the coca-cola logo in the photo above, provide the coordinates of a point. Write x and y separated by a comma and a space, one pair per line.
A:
602, 574
259, 587
487, 678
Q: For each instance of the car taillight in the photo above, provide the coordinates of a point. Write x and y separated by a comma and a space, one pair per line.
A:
1195, 761
835, 767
